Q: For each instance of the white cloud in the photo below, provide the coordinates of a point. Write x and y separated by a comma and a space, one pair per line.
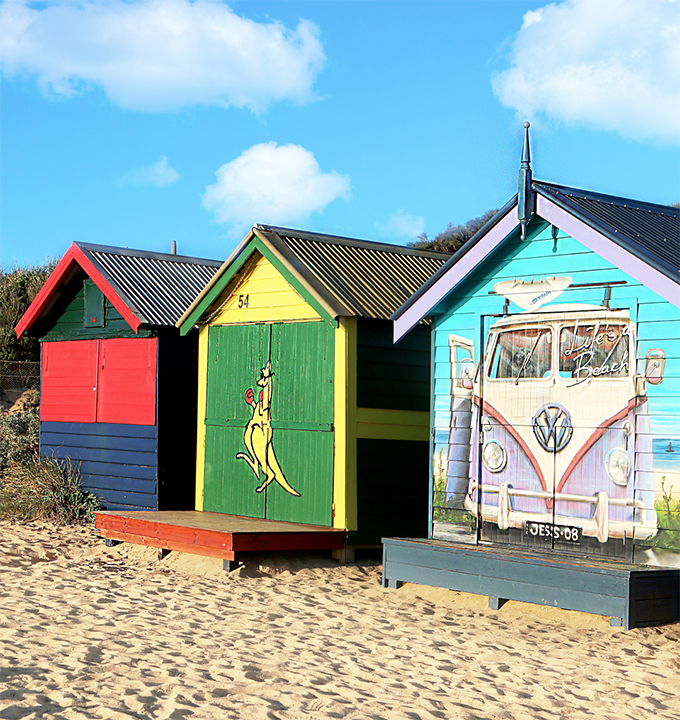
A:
272, 184
403, 225
159, 55
609, 64
159, 174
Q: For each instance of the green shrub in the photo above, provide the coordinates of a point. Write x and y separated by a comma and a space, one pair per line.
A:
19, 436
44, 489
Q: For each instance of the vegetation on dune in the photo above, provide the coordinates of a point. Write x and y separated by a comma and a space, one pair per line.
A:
19, 437
34, 487
18, 288
44, 489
454, 237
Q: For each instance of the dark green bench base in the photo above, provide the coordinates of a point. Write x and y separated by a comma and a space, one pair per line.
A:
631, 595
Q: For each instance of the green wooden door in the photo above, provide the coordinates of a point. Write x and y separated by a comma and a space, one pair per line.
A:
269, 415
235, 354
302, 418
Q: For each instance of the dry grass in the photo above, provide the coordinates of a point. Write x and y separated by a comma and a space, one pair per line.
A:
34, 487
44, 489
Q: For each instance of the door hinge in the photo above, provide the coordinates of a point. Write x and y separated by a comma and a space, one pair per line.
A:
333, 511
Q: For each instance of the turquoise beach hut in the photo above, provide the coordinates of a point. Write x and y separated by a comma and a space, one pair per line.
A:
555, 409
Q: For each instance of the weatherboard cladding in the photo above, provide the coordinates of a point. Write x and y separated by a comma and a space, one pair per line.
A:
157, 287
654, 228
370, 279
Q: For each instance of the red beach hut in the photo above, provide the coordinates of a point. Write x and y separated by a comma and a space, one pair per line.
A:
118, 390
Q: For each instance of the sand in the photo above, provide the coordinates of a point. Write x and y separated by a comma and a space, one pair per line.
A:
93, 632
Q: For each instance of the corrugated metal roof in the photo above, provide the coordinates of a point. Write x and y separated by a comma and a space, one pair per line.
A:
157, 287
367, 279
649, 230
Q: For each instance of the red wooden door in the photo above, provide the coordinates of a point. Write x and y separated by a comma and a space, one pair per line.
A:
106, 381
68, 381
126, 390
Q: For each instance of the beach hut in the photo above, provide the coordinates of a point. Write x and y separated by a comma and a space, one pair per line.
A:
307, 412
555, 406
118, 382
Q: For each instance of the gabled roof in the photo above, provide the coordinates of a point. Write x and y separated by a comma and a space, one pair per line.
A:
338, 276
648, 230
146, 288
642, 239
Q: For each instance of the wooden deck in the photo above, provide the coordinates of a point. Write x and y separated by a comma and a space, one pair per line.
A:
631, 595
214, 534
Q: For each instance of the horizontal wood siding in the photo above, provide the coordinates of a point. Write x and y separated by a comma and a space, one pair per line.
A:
392, 490
389, 376
118, 463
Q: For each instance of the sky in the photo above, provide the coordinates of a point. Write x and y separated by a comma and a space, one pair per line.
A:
142, 122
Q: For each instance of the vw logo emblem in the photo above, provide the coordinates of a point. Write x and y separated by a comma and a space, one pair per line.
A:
552, 427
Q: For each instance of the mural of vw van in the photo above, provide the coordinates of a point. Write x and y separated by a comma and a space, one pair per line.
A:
560, 445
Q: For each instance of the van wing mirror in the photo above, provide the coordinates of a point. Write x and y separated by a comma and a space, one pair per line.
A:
467, 373
655, 365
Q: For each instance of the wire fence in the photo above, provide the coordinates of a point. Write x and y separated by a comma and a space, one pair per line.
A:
19, 375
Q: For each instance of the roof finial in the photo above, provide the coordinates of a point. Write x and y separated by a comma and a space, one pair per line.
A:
525, 195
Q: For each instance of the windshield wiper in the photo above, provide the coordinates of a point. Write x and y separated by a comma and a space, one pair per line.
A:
528, 357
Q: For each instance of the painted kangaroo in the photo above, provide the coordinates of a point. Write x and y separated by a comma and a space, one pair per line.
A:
258, 435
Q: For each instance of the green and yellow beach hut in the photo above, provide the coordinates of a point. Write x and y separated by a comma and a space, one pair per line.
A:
307, 412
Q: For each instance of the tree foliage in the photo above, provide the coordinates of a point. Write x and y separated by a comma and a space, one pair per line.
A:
454, 237
18, 288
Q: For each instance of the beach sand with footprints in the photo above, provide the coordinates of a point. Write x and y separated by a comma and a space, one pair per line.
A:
93, 632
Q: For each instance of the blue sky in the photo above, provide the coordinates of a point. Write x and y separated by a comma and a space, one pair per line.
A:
138, 123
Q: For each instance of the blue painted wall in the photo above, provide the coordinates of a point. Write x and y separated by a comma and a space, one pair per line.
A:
118, 463
652, 488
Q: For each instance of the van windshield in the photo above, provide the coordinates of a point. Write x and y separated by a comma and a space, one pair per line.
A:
594, 350
522, 354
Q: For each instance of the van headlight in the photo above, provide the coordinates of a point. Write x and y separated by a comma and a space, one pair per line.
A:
494, 456
617, 465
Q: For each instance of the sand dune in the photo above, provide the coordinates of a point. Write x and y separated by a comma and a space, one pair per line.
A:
94, 632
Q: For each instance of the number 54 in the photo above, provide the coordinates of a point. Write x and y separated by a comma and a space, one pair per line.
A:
243, 301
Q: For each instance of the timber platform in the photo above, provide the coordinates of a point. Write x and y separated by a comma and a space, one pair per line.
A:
631, 595
214, 534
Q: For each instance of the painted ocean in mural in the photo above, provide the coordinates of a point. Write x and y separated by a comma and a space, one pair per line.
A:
667, 454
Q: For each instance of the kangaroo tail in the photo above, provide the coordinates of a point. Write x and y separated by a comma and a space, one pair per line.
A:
285, 485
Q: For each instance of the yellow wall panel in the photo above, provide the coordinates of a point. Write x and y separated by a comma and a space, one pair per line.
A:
345, 461
263, 296
202, 395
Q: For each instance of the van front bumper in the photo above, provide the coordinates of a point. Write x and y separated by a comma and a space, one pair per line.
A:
598, 526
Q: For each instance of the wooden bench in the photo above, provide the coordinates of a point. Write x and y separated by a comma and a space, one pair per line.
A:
214, 534
631, 595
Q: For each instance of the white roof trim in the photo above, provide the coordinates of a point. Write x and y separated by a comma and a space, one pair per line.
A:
617, 255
